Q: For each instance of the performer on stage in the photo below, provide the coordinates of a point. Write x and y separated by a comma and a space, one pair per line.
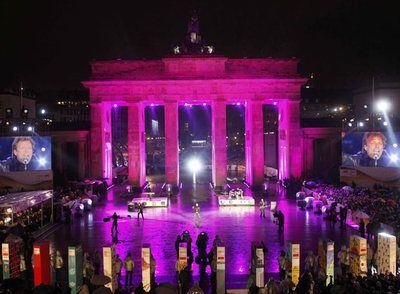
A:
197, 218
262, 208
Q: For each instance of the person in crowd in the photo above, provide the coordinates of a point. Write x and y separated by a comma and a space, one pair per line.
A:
177, 242
343, 215
282, 265
129, 265
217, 240
271, 287
195, 289
22, 267
88, 269
59, 263
281, 221
287, 285
343, 258
117, 268
362, 228
310, 262
96, 262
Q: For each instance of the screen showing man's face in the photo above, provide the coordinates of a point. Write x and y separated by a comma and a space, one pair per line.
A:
374, 147
24, 151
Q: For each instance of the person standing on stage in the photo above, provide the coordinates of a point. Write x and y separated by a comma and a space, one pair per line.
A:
262, 208
114, 224
140, 210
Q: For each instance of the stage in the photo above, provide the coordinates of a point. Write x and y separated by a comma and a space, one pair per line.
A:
237, 226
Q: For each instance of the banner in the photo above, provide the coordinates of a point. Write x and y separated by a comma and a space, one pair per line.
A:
41, 264
5, 253
146, 275
108, 258
75, 268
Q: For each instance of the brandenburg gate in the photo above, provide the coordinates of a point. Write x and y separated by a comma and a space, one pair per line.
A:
215, 80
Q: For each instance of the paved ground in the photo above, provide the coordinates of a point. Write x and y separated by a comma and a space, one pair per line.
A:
237, 227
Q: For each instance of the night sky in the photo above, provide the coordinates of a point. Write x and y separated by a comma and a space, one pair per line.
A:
48, 44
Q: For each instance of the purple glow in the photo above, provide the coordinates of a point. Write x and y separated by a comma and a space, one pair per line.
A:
115, 105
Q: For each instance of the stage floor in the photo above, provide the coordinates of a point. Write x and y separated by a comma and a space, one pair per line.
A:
237, 227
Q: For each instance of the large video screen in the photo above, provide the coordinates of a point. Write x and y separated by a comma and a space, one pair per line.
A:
25, 153
371, 149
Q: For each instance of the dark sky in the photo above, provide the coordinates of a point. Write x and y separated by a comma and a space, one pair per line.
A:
48, 44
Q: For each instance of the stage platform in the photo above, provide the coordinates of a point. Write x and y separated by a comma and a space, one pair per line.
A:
245, 201
148, 202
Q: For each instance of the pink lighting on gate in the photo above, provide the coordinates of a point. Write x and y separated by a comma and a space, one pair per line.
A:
115, 105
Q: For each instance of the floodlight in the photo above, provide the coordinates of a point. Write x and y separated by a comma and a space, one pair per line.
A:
382, 105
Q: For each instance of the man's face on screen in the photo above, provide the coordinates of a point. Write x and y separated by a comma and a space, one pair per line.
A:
374, 147
24, 151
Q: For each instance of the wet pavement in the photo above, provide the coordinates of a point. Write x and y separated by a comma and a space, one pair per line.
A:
237, 227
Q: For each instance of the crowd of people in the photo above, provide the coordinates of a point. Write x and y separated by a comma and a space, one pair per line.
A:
380, 204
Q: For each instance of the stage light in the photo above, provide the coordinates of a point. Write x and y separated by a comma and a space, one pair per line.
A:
194, 166
204, 104
275, 103
385, 123
394, 157
152, 104
15, 128
115, 105
43, 111
43, 149
9, 210
42, 161
383, 105
186, 104
89, 201
335, 109
395, 145
29, 129
361, 124
365, 106
237, 103
350, 124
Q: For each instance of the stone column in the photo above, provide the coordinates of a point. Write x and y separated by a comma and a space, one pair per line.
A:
218, 130
254, 143
290, 139
171, 143
136, 145
101, 141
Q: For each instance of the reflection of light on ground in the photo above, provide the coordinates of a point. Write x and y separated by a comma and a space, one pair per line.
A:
236, 210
